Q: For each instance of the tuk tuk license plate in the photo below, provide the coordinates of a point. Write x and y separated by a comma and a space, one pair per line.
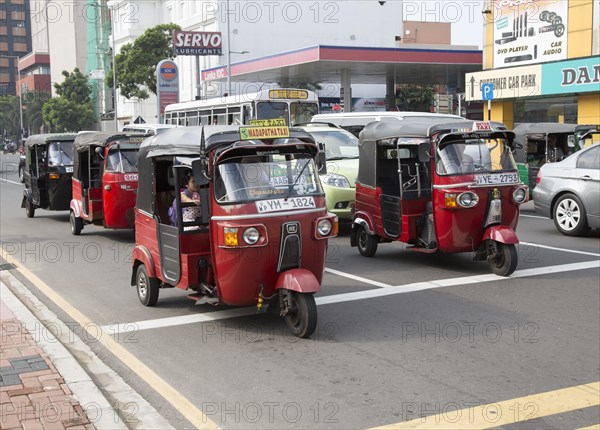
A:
291, 203
497, 178
69, 169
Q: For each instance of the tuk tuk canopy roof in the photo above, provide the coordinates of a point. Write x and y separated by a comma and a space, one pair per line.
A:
86, 139
43, 139
539, 130
186, 140
379, 130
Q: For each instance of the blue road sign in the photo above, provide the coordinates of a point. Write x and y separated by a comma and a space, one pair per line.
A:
487, 91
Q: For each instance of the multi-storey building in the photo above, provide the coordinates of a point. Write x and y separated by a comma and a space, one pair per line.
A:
15, 42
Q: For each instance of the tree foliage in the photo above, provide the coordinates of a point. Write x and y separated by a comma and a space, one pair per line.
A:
414, 97
72, 109
9, 116
33, 102
136, 62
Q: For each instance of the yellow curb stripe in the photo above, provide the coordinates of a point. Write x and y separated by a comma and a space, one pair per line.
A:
506, 412
594, 427
169, 393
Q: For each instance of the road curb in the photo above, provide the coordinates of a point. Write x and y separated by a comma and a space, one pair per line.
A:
85, 390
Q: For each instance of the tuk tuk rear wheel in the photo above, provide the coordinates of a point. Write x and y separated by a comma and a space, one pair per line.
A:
76, 224
366, 243
301, 318
29, 208
506, 261
147, 288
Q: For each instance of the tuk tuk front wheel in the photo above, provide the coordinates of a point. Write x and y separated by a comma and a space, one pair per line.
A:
29, 208
366, 243
301, 317
505, 262
147, 288
76, 224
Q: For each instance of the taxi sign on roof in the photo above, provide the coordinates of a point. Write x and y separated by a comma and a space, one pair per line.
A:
274, 122
248, 133
482, 126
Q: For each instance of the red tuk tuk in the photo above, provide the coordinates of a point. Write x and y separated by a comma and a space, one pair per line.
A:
258, 227
104, 180
450, 187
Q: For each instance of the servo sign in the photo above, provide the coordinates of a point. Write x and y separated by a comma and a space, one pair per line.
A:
197, 43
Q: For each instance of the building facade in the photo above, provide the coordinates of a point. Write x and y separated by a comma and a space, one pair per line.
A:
15, 42
541, 62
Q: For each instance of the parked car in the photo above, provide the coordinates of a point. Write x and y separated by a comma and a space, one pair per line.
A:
341, 153
569, 192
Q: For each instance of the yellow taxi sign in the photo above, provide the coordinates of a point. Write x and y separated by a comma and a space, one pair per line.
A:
274, 122
248, 133
288, 94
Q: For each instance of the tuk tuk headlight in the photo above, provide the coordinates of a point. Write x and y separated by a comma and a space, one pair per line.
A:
520, 195
334, 180
324, 227
468, 199
251, 235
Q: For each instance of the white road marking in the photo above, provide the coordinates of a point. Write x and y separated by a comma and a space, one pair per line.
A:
572, 251
533, 216
388, 290
357, 278
11, 182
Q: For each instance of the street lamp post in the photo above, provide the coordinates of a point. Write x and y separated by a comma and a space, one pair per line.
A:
16, 58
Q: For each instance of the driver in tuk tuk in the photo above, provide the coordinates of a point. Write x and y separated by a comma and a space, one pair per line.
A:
555, 153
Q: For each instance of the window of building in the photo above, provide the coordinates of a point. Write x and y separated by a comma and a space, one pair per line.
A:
552, 109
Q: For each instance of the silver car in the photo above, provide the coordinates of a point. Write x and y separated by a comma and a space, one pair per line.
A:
569, 192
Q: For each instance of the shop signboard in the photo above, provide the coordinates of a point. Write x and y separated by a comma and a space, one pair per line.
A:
508, 83
167, 85
575, 76
529, 32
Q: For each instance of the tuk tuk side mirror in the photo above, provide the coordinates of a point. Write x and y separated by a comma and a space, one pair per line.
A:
321, 159
98, 151
571, 141
424, 155
200, 171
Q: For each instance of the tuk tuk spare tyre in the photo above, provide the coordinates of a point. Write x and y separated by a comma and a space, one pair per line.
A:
76, 224
366, 243
301, 318
147, 288
506, 260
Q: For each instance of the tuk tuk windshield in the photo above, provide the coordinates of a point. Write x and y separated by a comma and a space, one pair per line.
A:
122, 160
460, 157
60, 154
252, 178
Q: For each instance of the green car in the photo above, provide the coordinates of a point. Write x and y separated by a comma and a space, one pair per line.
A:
341, 152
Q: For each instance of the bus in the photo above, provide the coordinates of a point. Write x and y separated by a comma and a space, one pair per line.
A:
294, 105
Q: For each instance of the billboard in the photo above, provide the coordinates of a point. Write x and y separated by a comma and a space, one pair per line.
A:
197, 43
529, 32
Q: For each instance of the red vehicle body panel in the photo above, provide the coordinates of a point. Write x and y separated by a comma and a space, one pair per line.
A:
118, 199
255, 265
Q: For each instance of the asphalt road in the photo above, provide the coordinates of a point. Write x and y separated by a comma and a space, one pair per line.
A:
401, 335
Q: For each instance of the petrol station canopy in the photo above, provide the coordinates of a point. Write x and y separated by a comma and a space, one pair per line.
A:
415, 63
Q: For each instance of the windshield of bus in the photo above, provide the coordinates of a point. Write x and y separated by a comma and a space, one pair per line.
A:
462, 157
272, 110
60, 154
303, 112
244, 179
122, 160
339, 144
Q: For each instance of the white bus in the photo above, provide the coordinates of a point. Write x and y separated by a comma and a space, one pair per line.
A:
294, 105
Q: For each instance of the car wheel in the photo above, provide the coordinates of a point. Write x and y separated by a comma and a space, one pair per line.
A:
569, 216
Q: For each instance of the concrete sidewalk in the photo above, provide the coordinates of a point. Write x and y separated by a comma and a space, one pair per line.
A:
42, 386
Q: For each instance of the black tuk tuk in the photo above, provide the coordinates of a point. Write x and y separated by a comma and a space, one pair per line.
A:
48, 172
545, 142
